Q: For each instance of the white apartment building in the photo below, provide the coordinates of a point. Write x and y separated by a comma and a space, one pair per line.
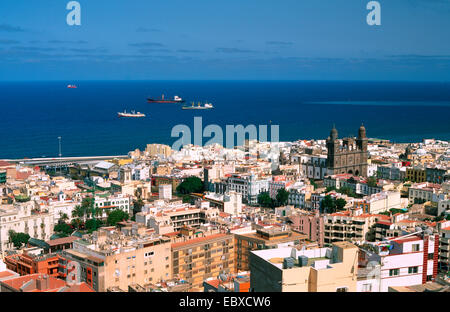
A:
165, 191
140, 172
403, 261
379, 202
248, 185
425, 192
230, 202
24, 218
112, 202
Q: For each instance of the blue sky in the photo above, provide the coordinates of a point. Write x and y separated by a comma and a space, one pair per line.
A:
233, 39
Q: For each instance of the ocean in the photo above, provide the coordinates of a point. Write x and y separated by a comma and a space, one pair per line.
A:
35, 114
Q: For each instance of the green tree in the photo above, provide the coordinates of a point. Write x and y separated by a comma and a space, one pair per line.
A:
313, 183
22, 198
329, 189
190, 185
137, 205
282, 197
340, 203
372, 181
265, 200
63, 229
396, 210
76, 223
117, 216
64, 216
78, 211
18, 239
328, 204
186, 199
347, 191
92, 225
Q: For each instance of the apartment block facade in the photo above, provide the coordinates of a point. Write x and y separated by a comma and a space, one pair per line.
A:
198, 257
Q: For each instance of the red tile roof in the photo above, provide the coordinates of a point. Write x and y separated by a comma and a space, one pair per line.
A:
63, 240
18, 282
6, 274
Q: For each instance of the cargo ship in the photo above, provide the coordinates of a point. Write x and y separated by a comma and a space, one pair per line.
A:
206, 106
132, 114
176, 99
72, 86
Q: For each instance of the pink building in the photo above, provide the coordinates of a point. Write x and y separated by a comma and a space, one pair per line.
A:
311, 224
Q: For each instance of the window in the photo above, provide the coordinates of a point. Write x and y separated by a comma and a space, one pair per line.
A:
394, 272
367, 287
430, 256
342, 289
416, 247
413, 270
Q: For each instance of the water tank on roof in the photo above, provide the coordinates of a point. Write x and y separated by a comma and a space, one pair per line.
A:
302, 261
288, 263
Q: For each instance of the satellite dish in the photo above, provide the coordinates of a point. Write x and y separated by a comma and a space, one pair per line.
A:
117, 273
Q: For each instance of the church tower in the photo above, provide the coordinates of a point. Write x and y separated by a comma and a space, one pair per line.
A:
349, 156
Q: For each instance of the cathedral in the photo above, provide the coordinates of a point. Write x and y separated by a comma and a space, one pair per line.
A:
348, 155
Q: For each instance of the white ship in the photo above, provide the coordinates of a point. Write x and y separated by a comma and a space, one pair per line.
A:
206, 106
132, 114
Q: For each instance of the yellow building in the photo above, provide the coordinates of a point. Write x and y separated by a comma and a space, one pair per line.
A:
158, 150
315, 270
416, 174
197, 256
122, 162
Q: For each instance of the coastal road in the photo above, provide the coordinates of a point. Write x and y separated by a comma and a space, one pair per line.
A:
62, 160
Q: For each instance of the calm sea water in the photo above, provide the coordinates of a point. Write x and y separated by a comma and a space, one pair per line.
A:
34, 114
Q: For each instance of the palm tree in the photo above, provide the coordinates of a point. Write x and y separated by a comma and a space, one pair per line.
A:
76, 223
98, 212
65, 217
78, 211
